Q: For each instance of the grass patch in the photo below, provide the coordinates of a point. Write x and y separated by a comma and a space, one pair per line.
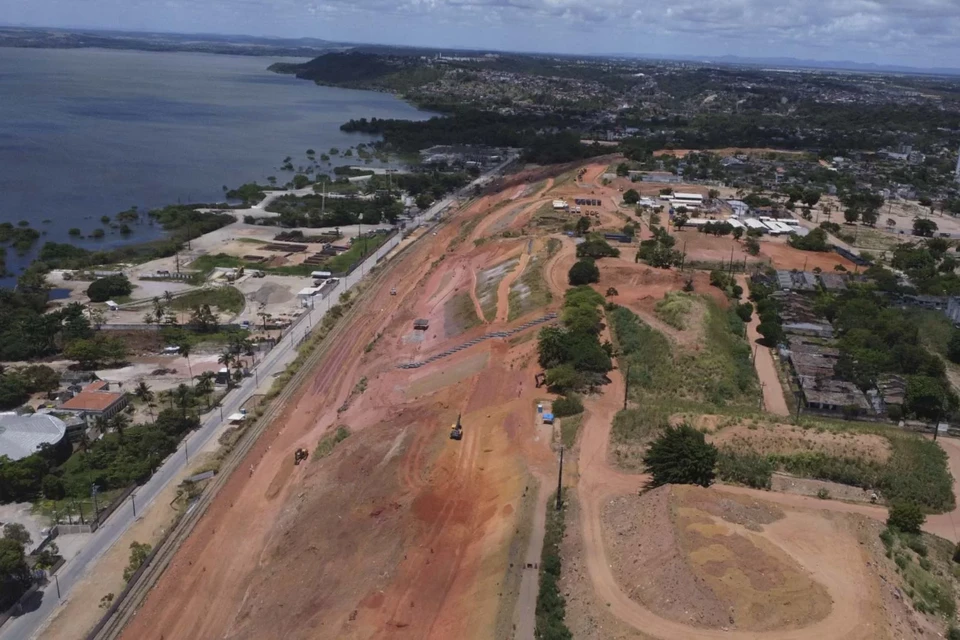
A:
328, 442
916, 472
551, 606
529, 291
718, 371
205, 264
925, 564
227, 299
461, 313
674, 309
465, 229
360, 248
569, 428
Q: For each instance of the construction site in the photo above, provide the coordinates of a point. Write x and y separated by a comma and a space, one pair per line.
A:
403, 490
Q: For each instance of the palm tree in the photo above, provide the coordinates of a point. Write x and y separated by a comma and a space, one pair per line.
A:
185, 349
101, 425
83, 440
182, 394
226, 359
204, 385
119, 422
143, 392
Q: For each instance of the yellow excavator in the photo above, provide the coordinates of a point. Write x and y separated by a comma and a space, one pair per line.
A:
457, 432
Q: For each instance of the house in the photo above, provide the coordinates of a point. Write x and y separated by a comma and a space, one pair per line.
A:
96, 400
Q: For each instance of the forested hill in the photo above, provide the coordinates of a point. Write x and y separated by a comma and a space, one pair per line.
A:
353, 69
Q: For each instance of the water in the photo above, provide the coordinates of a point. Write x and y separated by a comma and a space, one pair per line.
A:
86, 133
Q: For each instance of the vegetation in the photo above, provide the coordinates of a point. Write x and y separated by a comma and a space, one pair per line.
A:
121, 456
568, 405
907, 517
718, 372
551, 606
227, 299
674, 308
569, 427
328, 442
104, 289
596, 247
583, 272
572, 354
316, 211
924, 564
681, 455
916, 473
139, 552
15, 576
658, 251
816, 240
16, 385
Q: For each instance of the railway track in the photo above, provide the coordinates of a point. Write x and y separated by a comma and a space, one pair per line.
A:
129, 600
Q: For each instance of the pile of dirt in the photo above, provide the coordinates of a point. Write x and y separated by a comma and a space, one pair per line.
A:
699, 557
788, 439
271, 293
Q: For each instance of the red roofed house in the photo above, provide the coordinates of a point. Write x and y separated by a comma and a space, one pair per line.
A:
96, 400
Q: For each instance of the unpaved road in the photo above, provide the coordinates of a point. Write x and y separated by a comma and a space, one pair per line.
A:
773, 399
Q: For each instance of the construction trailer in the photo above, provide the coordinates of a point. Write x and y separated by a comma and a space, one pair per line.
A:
421, 324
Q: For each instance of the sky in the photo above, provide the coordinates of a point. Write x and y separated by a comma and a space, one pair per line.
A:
920, 33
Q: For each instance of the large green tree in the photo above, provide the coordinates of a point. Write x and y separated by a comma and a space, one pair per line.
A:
14, 572
681, 455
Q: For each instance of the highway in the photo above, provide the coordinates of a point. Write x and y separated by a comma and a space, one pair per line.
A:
30, 623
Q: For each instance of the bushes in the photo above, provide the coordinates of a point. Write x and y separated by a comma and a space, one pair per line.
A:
906, 517
583, 272
572, 354
551, 606
638, 425
596, 247
681, 455
674, 309
329, 441
567, 406
110, 287
750, 468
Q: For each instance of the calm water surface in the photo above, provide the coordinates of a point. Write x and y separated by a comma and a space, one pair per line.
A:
86, 133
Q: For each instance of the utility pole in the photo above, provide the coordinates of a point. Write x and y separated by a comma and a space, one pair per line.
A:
133, 501
560, 480
56, 579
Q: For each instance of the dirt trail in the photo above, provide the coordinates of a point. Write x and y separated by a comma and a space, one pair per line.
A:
503, 290
773, 398
834, 561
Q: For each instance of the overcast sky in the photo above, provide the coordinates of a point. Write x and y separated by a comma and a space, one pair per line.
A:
922, 33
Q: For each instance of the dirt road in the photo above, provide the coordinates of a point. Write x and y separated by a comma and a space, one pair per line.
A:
773, 399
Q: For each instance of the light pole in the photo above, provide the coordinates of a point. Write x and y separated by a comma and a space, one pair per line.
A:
359, 236
133, 501
560, 480
56, 579
186, 451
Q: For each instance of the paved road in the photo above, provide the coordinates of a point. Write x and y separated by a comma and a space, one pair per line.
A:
28, 624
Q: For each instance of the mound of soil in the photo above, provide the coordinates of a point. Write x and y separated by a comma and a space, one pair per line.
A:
700, 557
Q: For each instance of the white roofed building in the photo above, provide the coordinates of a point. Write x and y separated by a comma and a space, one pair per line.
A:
22, 436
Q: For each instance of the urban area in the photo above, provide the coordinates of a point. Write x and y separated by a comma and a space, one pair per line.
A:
608, 348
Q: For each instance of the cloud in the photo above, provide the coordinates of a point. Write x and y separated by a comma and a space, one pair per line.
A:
919, 32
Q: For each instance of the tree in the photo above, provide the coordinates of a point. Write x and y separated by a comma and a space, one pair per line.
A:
53, 487
623, 169
204, 319
15, 576
139, 551
681, 455
851, 215
185, 348
924, 227
18, 532
713, 194
563, 378
679, 220
583, 225
738, 233
906, 517
752, 245
583, 272
204, 385
953, 347
926, 397
112, 286
182, 394
630, 196
143, 392
772, 332
551, 347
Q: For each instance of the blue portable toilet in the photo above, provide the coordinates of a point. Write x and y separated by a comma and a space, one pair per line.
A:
548, 418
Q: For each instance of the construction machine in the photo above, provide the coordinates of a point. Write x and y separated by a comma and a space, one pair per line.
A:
457, 432
300, 455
